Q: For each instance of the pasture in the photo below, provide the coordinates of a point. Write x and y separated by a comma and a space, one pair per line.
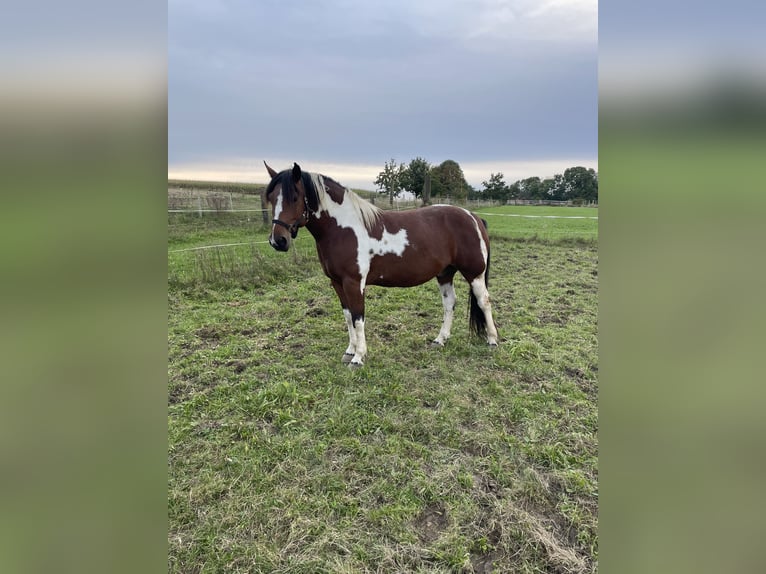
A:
461, 459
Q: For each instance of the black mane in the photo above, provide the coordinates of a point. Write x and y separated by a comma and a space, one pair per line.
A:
290, 193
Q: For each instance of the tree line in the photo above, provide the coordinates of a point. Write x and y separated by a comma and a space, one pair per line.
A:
424, 181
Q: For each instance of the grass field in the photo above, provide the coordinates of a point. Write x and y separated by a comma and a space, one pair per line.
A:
462, 459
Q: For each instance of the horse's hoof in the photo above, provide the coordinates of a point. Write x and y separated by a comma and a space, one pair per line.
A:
437, 345
346, 358
493, 345
355, 366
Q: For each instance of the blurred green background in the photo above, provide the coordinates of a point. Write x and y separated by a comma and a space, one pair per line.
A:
682, 142
82, 296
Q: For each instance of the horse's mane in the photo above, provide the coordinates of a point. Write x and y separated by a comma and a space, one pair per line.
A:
289, 193
318, 198
367, 212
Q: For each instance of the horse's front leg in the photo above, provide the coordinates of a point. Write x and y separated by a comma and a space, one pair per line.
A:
351, 349
354, 296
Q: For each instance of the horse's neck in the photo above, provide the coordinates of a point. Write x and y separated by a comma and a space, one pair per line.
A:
326, 223
318, 226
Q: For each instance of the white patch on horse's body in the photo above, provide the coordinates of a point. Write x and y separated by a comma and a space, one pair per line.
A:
356, 214
482, 243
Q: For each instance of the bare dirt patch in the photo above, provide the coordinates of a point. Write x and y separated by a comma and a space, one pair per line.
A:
430, 523
482, 563
209, 332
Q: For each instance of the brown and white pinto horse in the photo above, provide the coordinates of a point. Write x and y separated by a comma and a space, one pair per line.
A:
359, 244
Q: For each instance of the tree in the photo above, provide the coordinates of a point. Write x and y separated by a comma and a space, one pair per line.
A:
475, 194
414, 176
427, 189
389, 181
447, 179
581, 183
547, 186
576, 184
530, 188
495, 188
556, 189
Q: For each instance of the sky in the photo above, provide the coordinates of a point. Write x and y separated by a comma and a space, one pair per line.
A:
343, 86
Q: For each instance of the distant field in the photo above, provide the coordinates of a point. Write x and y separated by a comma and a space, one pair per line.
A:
549, 223
219, 186
190, 194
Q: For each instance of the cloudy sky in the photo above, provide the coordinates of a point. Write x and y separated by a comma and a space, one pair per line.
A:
341, 86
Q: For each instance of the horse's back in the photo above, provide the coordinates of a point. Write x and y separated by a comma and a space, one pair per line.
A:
438, 237
445, 222
451, 216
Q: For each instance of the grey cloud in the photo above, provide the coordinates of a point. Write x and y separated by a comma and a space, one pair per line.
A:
349, 81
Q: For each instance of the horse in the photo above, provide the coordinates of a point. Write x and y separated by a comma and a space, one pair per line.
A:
359, 244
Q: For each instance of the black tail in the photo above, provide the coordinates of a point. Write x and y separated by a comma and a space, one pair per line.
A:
477, 322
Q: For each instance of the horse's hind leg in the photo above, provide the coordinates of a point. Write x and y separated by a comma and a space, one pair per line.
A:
447, 289
479, 290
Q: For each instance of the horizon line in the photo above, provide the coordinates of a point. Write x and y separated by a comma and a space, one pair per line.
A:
362, 175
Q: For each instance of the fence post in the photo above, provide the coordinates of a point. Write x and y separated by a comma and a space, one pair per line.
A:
264, 208
199, 205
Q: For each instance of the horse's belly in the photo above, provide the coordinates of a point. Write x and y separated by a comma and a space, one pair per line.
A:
389, 271
384, 281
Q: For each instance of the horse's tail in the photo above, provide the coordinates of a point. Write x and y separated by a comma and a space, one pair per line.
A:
477, 322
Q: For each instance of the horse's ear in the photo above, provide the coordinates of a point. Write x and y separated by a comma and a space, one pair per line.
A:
272, 173
296, 173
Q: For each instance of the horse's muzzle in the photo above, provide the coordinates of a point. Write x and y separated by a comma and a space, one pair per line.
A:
279, 242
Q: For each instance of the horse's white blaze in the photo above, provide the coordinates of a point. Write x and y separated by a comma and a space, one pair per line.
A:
357, 215
277, 215
448, 300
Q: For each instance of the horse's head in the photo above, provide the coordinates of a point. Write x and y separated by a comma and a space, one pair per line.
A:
290, 210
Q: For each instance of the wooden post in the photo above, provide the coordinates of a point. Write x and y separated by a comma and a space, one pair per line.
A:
427, 190
264, 209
